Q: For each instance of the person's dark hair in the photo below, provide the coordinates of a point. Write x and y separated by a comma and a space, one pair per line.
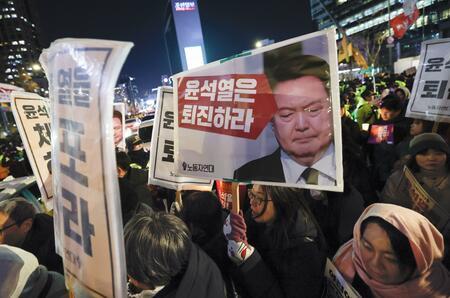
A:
400, 90
18, 209
157, 247
117, 114
399, 242
202, 212
288, 63
366, 93
287, 202
392, 103
427, 126
123, 160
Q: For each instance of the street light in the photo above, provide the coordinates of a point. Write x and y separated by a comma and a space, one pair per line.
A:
264, 42
36, 67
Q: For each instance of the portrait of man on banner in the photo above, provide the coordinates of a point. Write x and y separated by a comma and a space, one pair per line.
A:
302, 123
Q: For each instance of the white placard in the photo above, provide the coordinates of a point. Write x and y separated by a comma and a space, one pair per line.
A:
430, 97
82, 74
162, 159
232, 116
33, 122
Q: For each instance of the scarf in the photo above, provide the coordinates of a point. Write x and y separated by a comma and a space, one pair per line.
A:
431, 278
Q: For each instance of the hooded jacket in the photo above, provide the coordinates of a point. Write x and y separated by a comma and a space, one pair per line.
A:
22, 276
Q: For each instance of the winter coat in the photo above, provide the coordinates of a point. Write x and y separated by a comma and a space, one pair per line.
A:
396, 192
201, 279
293, 268
40, 241
336, 213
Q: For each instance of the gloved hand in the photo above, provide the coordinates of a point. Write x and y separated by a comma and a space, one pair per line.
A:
235, 231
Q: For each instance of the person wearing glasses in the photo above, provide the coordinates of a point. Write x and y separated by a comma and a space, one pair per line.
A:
21, 226
279, 249
302, 124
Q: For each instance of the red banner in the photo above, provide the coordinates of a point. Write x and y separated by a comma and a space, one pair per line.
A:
225, 193
237, 105
401, 23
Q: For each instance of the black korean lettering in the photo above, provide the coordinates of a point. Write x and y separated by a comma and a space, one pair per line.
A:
434, 64
447, 64
48, 158
80, 74
64, 80
30, 111
86, 227
70, 215
71, 172
430, 88
168, 120
42, 110
169, 149
71, 138
81, 87
442, 89
81, 94
44, 133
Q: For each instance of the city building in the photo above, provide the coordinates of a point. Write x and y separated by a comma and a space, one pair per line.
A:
366, 24
183, 35
126, 91
20, 46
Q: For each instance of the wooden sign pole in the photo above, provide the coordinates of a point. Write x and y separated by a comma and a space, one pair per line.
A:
435, 127
235, 194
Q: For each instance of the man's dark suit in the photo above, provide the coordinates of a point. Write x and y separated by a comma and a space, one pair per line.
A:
267, 168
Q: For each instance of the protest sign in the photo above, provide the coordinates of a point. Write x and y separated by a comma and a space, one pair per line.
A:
33, 123
269, 116
5, 91
337, 286
82, 74
431, 91
381, 134
423, 203
225, 193
162, 160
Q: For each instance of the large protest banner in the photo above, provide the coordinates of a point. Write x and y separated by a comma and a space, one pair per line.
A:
431, 91
33, 123
82, 74
162, 161
270, 116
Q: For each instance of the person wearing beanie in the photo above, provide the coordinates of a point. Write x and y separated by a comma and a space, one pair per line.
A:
430, 164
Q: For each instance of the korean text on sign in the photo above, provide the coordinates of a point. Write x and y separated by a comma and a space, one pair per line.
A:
224, 104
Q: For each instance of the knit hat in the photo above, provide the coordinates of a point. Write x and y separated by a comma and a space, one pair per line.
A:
427, 141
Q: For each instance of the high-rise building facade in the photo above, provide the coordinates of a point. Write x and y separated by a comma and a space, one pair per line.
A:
363, 19
19, 43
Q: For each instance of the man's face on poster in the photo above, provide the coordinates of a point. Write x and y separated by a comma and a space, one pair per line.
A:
303, 121
118, 133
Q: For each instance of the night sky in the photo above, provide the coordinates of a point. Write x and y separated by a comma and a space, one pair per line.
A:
229, 27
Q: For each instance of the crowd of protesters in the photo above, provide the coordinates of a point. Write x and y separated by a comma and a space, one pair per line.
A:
278, 245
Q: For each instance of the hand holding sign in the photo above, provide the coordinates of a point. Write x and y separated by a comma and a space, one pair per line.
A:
235, 231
